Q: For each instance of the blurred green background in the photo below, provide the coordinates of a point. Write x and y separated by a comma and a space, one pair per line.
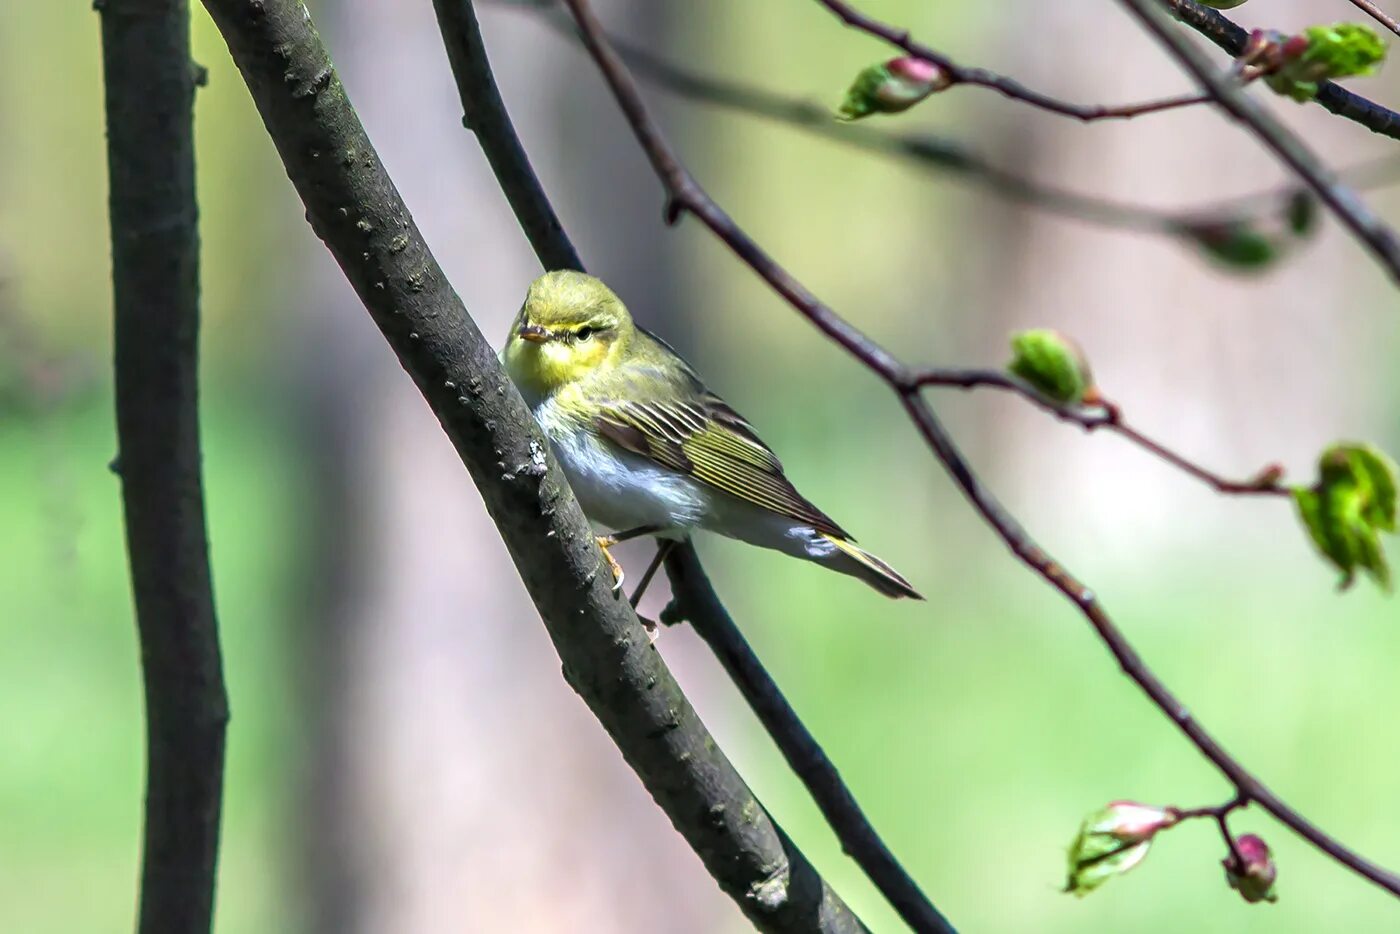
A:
404, 756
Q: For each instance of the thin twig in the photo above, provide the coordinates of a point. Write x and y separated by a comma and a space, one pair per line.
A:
1106, 416
1225, 89
939, 156
484, 113
686, 195
689, 585
353, 205
1220, 814
1221, 30
150, 87
1008, 87
1377, 14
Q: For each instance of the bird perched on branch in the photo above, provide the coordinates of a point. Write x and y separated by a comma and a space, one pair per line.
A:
647, 448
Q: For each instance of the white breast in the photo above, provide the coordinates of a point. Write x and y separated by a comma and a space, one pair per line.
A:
617, 489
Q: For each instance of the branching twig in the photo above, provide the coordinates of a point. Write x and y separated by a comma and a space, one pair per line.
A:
1008, 87
1222, 87
607, 658
150, 84
686, 196
1107, 416
942, 156
690, 587
1219, 29
1355, 215
1220, 813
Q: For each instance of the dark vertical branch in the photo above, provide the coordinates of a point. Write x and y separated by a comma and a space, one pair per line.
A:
354, 208
150, 84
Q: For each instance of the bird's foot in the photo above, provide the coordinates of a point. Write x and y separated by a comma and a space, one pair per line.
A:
604, 542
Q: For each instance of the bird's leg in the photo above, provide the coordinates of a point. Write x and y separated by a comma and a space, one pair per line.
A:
607, 541
663, 548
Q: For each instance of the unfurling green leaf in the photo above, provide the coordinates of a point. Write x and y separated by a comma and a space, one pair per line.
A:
1338, 51
1112, 841
1353, 501
891, 87
1223, 4
1254, 872
1052, 363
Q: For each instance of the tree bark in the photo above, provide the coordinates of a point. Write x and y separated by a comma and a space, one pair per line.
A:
150, 83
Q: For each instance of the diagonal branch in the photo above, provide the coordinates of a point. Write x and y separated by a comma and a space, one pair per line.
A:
694, 598
1218, 28
150, 84
686, 195
354, 208
1350, 210
695, 601
1377, 14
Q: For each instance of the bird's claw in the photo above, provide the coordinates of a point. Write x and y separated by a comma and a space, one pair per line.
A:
617, 574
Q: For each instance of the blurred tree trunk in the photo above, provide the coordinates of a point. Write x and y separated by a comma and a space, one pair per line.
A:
450, 768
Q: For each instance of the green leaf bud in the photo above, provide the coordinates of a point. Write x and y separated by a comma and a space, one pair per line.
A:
1053, 364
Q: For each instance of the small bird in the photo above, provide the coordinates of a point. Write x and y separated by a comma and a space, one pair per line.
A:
647, 448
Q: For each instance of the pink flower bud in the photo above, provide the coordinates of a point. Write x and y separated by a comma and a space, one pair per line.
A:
893, 86
1254, 872
919, 71
1131, 822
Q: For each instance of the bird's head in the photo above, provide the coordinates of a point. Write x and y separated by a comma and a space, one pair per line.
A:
571, 326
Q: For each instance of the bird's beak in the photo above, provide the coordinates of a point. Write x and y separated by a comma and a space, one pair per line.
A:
533, 333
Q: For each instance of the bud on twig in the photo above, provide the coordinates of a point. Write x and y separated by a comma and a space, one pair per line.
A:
1237, 244
896, 85
1053, 364
1250, 870
1112, 841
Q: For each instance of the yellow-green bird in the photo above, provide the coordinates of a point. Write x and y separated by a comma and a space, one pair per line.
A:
647, 448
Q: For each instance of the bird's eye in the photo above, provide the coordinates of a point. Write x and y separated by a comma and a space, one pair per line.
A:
583, 334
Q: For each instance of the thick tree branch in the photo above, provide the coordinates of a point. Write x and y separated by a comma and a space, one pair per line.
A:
150, 84
1350, 210
353, 206
1218, 28
686, 195
691, 588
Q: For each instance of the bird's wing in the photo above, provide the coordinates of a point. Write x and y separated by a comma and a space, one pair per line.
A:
697, 433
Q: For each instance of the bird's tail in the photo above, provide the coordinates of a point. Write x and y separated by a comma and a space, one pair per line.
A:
873, 571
